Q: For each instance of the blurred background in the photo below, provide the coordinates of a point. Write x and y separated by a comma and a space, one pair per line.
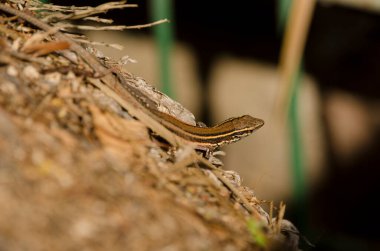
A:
310, 69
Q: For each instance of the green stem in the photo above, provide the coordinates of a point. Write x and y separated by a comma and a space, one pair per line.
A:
299, 184
161, 9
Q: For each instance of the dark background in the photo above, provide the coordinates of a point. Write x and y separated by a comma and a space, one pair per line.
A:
342, 52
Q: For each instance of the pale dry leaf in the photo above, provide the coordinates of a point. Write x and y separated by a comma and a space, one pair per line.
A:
119, 133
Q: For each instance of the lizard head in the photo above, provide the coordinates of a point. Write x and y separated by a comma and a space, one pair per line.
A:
247, 122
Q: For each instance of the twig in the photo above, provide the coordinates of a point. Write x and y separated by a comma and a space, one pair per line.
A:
114, 46
148, 25
78, 12
114, 27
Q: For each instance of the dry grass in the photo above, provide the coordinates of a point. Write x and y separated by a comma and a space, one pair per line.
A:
78, 173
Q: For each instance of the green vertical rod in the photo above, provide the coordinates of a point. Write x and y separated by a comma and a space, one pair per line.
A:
297, 154
282, 14
163, 33
296, 147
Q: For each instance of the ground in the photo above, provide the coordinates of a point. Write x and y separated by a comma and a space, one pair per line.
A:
79, 173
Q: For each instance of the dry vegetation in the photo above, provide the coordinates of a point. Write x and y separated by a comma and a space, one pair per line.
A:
79, 173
